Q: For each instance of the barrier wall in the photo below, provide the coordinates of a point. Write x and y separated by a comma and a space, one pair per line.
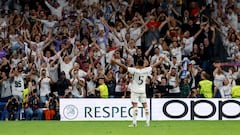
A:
160, 109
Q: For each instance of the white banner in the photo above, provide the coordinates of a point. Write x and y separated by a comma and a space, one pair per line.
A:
98, 109
195, 109
161, 109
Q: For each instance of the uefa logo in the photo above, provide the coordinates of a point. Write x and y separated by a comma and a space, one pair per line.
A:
70, 112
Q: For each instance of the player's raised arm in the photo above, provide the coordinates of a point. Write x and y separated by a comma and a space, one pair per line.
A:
113, 61
159, 62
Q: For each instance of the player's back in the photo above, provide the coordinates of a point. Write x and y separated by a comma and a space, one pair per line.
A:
139, 78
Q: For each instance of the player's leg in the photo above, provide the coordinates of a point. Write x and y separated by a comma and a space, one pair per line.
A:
134, 100
145, 106
135, 113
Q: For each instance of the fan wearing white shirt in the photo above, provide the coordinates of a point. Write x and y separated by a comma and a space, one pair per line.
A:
135, 29
17, 82
219, 77
15, 59
176, 51
226, 89
5, 89
78, 84
174, 63
66, 64
118, 34
47, 24
156, 56
188, 41
232, 17
57, 8
48, 56
129, 49
173, 81
52, 68
12, 35
76, 68
45, 86
38, 44
134, 33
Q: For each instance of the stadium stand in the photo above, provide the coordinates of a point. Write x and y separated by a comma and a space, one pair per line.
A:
61, 48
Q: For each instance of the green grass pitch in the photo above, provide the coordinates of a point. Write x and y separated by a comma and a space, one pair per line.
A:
119, 128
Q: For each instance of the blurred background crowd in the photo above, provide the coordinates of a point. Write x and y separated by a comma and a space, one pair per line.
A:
51, 49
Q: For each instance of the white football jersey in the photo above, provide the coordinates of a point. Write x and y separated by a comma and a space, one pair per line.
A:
139, 78
18, 85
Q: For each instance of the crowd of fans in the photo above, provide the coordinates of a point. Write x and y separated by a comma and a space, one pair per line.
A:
51, 49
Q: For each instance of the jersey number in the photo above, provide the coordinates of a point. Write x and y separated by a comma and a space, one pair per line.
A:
18, 84
140, 80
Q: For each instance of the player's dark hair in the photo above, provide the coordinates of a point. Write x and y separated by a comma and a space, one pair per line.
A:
140, 62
